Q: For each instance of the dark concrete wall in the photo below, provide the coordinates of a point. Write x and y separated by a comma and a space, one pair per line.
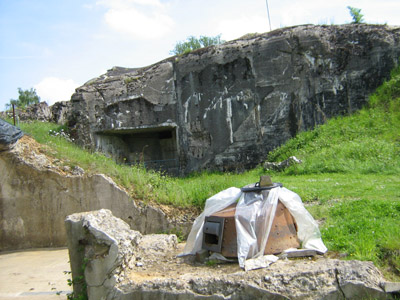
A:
231, 104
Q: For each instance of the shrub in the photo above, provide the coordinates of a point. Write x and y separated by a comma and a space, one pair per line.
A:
193, 43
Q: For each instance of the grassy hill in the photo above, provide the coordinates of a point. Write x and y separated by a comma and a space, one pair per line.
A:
349, 178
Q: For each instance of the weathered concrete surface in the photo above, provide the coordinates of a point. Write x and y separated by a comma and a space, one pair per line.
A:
37, 193
111, 249
224, 107
126, 265
35, 275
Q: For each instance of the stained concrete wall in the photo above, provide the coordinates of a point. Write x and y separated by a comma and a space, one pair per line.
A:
156, 148
35, 198
235, 102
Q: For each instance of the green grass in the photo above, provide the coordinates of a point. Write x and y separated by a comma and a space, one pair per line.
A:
366, 230
349, 178
363, 143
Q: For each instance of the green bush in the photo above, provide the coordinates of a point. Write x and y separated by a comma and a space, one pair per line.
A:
193, 43
356, 15
25, 98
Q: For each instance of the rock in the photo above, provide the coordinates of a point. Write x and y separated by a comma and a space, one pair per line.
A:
157, 244
225, 107
57, 113
282, 165
66, 169
9, 135
202, 255
109, 249
299, 253
260, 262
391, 287
119, 268
78, 171
39, 111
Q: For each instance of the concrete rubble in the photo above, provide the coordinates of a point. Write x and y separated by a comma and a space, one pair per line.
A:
279, 166
122, 264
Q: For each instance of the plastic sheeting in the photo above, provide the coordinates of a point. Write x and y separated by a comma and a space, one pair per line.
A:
255, 212
307, 229
9, 134
215, 203
254, 215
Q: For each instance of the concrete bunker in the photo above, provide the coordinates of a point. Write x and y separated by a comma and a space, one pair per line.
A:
153, 146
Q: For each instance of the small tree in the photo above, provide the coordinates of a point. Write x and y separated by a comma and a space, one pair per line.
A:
356, 15
25, 98
193, 43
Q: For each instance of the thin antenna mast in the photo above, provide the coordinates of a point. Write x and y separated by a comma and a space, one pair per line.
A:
269, 19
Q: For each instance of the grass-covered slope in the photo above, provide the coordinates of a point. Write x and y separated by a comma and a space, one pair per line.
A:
363, 143
366, 142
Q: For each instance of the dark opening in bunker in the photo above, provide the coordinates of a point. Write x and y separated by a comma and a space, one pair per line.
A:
155, 147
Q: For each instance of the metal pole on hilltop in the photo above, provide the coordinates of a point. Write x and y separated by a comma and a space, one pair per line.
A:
13, 106
269, 19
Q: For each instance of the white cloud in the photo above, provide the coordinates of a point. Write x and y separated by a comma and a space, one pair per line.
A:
235, 28
53, 89
145, 19
288, 13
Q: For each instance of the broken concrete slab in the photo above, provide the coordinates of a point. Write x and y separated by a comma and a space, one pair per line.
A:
102, 248
279, 166
391, 287
292, 253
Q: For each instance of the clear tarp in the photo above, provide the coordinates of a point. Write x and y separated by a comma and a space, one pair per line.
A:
215, 203
254, 215
255, 212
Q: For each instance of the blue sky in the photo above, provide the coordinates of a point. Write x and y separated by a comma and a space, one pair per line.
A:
57, 45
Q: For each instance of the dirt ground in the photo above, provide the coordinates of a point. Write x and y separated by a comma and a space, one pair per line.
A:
171, 265
34, 274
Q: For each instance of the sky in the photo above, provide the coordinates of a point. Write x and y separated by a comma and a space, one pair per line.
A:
56, 46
